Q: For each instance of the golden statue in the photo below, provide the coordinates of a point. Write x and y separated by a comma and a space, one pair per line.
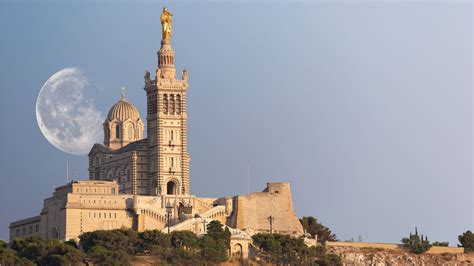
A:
166, 25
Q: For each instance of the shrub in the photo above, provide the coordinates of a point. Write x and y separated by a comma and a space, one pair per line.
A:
212, 249
284, 249
50, 252
415, 243
440, 244
467, 241
119, 239
314, 228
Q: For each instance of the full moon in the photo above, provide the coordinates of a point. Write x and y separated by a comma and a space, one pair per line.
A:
66, 115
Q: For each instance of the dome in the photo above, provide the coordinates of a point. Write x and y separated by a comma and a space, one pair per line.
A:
122, 111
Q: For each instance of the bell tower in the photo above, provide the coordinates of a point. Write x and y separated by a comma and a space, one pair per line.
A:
167, 121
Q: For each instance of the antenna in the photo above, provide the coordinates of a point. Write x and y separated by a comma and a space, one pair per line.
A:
67, 171
248, 178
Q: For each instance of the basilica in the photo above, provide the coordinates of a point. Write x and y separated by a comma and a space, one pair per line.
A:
143, 182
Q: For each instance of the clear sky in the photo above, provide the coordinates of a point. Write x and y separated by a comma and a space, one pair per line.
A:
366, 108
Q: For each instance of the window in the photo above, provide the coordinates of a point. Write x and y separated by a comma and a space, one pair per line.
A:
165, 103
178, 104
130, 132
117, 131
172, 104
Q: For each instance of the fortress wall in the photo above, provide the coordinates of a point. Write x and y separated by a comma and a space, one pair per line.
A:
251, 212
390, 246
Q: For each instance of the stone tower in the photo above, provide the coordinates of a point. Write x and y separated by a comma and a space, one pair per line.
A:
166, 123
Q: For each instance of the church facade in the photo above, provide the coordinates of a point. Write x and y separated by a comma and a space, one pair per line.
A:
143, 183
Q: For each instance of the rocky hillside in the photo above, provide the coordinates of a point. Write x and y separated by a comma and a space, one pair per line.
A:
379, 257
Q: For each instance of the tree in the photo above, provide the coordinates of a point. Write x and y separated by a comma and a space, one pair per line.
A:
288, 250
416, 243
440, 244
216, 231
467, 241
153, 240
42, 252
314, 228
184, 239
8, 256
119, 239
213, 249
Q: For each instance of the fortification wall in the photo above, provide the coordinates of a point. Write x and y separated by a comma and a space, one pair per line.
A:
390, 246
251, 212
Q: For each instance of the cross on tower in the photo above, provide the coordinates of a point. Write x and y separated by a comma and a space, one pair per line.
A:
123, 93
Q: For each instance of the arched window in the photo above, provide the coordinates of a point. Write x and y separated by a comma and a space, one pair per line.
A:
178, 104
172, 104
130, 132
165, 103
117, 131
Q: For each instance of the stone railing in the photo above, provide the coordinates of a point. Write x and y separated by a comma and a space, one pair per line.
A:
214, 212
154, 214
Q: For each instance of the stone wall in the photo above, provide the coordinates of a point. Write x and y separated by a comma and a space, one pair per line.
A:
390, 246
251, 212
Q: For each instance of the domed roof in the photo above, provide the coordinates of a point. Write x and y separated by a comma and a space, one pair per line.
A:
122, 111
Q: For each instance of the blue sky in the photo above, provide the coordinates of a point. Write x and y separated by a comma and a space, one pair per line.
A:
366, 108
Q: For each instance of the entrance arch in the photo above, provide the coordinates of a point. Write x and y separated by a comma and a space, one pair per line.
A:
54, 233
171, 188
237, 251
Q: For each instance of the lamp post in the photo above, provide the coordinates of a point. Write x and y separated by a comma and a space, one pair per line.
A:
204, 225
270, 220
169, 208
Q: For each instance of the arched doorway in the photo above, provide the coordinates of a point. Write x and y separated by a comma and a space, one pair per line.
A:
237, 253
54, 233
171, 188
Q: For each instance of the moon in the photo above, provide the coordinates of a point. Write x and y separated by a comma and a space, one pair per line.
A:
66, 114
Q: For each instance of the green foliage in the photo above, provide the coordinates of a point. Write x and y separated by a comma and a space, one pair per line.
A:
118, 239
440, 244
314, 228
215, 245
8, 256
104, 256
213, 250
184, 239
467, 241
153, 240
41, 252
180, 247
416, 243
284, 249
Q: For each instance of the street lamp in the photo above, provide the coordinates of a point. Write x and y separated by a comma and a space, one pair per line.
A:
270, 220
169, 208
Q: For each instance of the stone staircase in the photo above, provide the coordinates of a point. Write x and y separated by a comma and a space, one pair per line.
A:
195, 224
